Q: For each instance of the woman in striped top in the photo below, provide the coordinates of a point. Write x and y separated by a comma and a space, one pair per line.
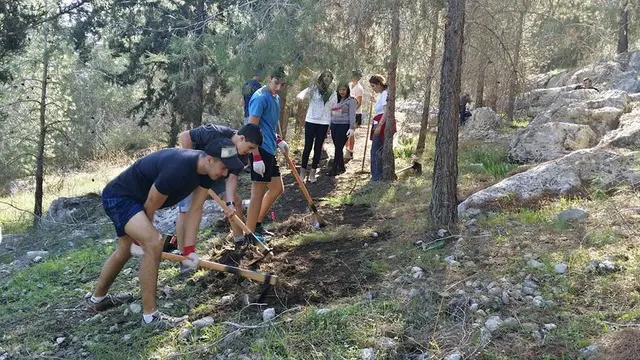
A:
343, 119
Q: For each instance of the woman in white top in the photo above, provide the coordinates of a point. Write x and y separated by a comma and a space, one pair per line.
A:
379, 85
321, 100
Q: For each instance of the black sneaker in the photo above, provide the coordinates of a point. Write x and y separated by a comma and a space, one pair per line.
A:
163, 321
108, 302
260, 230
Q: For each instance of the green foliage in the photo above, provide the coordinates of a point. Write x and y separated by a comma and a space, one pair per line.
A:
493, 162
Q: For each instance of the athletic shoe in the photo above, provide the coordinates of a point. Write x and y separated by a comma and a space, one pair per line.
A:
261, 231
108, 302
163, 321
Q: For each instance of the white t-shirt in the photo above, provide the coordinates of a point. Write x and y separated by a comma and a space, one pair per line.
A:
356, 90
382, 101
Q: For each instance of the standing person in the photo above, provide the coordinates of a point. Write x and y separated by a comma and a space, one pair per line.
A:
464, 113
343, 122
266, 181
356, 92
245, 141
248, 88
321, 100
379, 85
156, 181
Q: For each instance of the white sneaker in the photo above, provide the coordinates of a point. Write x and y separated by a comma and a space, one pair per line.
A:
312, 176
303, 174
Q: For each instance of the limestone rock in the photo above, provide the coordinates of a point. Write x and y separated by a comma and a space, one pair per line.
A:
549, 141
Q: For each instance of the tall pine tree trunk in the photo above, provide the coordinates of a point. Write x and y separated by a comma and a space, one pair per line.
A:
388, 159
623, 30
513, 82
426, 105
42, 133
284, 113
198, 93
443, 207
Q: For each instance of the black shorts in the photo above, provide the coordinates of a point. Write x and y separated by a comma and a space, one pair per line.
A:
271, 168
358, 119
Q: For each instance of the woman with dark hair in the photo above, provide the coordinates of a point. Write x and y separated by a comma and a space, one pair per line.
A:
379, 85
343, 120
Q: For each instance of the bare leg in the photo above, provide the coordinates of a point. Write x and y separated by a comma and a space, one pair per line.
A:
113, 265
236, 229
180, 230
276, 188
141, 229
255, 204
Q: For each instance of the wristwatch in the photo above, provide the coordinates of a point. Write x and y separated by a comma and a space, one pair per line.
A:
231, 203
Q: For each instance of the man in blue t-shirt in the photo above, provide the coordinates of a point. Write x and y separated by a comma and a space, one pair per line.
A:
245, 140
248, 89
156, 181
266, 186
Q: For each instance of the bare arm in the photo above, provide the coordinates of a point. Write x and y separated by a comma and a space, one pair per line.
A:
184, 140
193, 216
154, 201
231, 187
358, 101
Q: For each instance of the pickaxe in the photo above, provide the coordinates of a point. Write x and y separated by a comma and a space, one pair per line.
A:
416, 166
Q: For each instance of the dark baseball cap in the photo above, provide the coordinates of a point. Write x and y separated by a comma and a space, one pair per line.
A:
226, 151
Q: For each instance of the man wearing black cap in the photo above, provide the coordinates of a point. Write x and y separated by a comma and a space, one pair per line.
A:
156, 181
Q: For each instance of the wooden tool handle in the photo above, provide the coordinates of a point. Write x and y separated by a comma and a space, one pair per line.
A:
303, 188
248, 274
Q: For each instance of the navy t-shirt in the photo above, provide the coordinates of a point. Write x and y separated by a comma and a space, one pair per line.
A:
173, 171
206, 135
247, 91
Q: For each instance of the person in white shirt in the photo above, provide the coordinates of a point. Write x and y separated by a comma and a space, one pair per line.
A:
357, 91
379, 85
322, 98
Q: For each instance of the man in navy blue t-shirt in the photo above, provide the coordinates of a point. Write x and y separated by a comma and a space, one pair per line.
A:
156, 181
266, 186
248, 88
246, 140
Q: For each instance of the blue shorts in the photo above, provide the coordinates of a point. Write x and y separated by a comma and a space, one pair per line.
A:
120, 209
219, 187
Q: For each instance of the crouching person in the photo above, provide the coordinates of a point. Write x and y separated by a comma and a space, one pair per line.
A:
155, 181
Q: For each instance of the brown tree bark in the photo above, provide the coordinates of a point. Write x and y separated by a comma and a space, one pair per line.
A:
42, 133
513, 81
284, 114
443, 207
424, 123
623, 30
388, 158
198, 94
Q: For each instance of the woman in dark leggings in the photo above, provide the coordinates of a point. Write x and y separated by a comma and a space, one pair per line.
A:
343, 119
321, 100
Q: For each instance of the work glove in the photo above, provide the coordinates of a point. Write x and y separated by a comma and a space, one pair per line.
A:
283, 146
350, 133
258, 165
192, 260
136, 250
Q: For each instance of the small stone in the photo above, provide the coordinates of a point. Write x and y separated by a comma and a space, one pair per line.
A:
127, 271
366, 245
135, 308
493, 323
491, 285
34, 254
442, 233
60, 340
537, 303
167, 305
413, 292
203, 322
416, 269
485, 336
527, 290
529, 326
386, 343
607, 266
510, 322
38, 259
485, 299
461, 292
368, 296
560, 268
505, 297
84, 354
589, 351
322, 312
40, 286
186, 333
113, 328
535, 264
473, 307
127, 312
454, 356
481, 313
471, 223
495, 291
374, 234
269, 314
95, 318
394, 273
367, 354
572, 215
227, 299
536, 335
417, 275
469, 264
550, 327
127, 337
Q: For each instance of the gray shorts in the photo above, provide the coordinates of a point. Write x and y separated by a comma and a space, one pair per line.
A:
218, 186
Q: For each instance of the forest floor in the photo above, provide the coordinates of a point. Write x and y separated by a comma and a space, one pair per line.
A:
374, 283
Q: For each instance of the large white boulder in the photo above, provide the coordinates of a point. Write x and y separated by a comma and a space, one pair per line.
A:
550, 141
627, 135
602, 165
